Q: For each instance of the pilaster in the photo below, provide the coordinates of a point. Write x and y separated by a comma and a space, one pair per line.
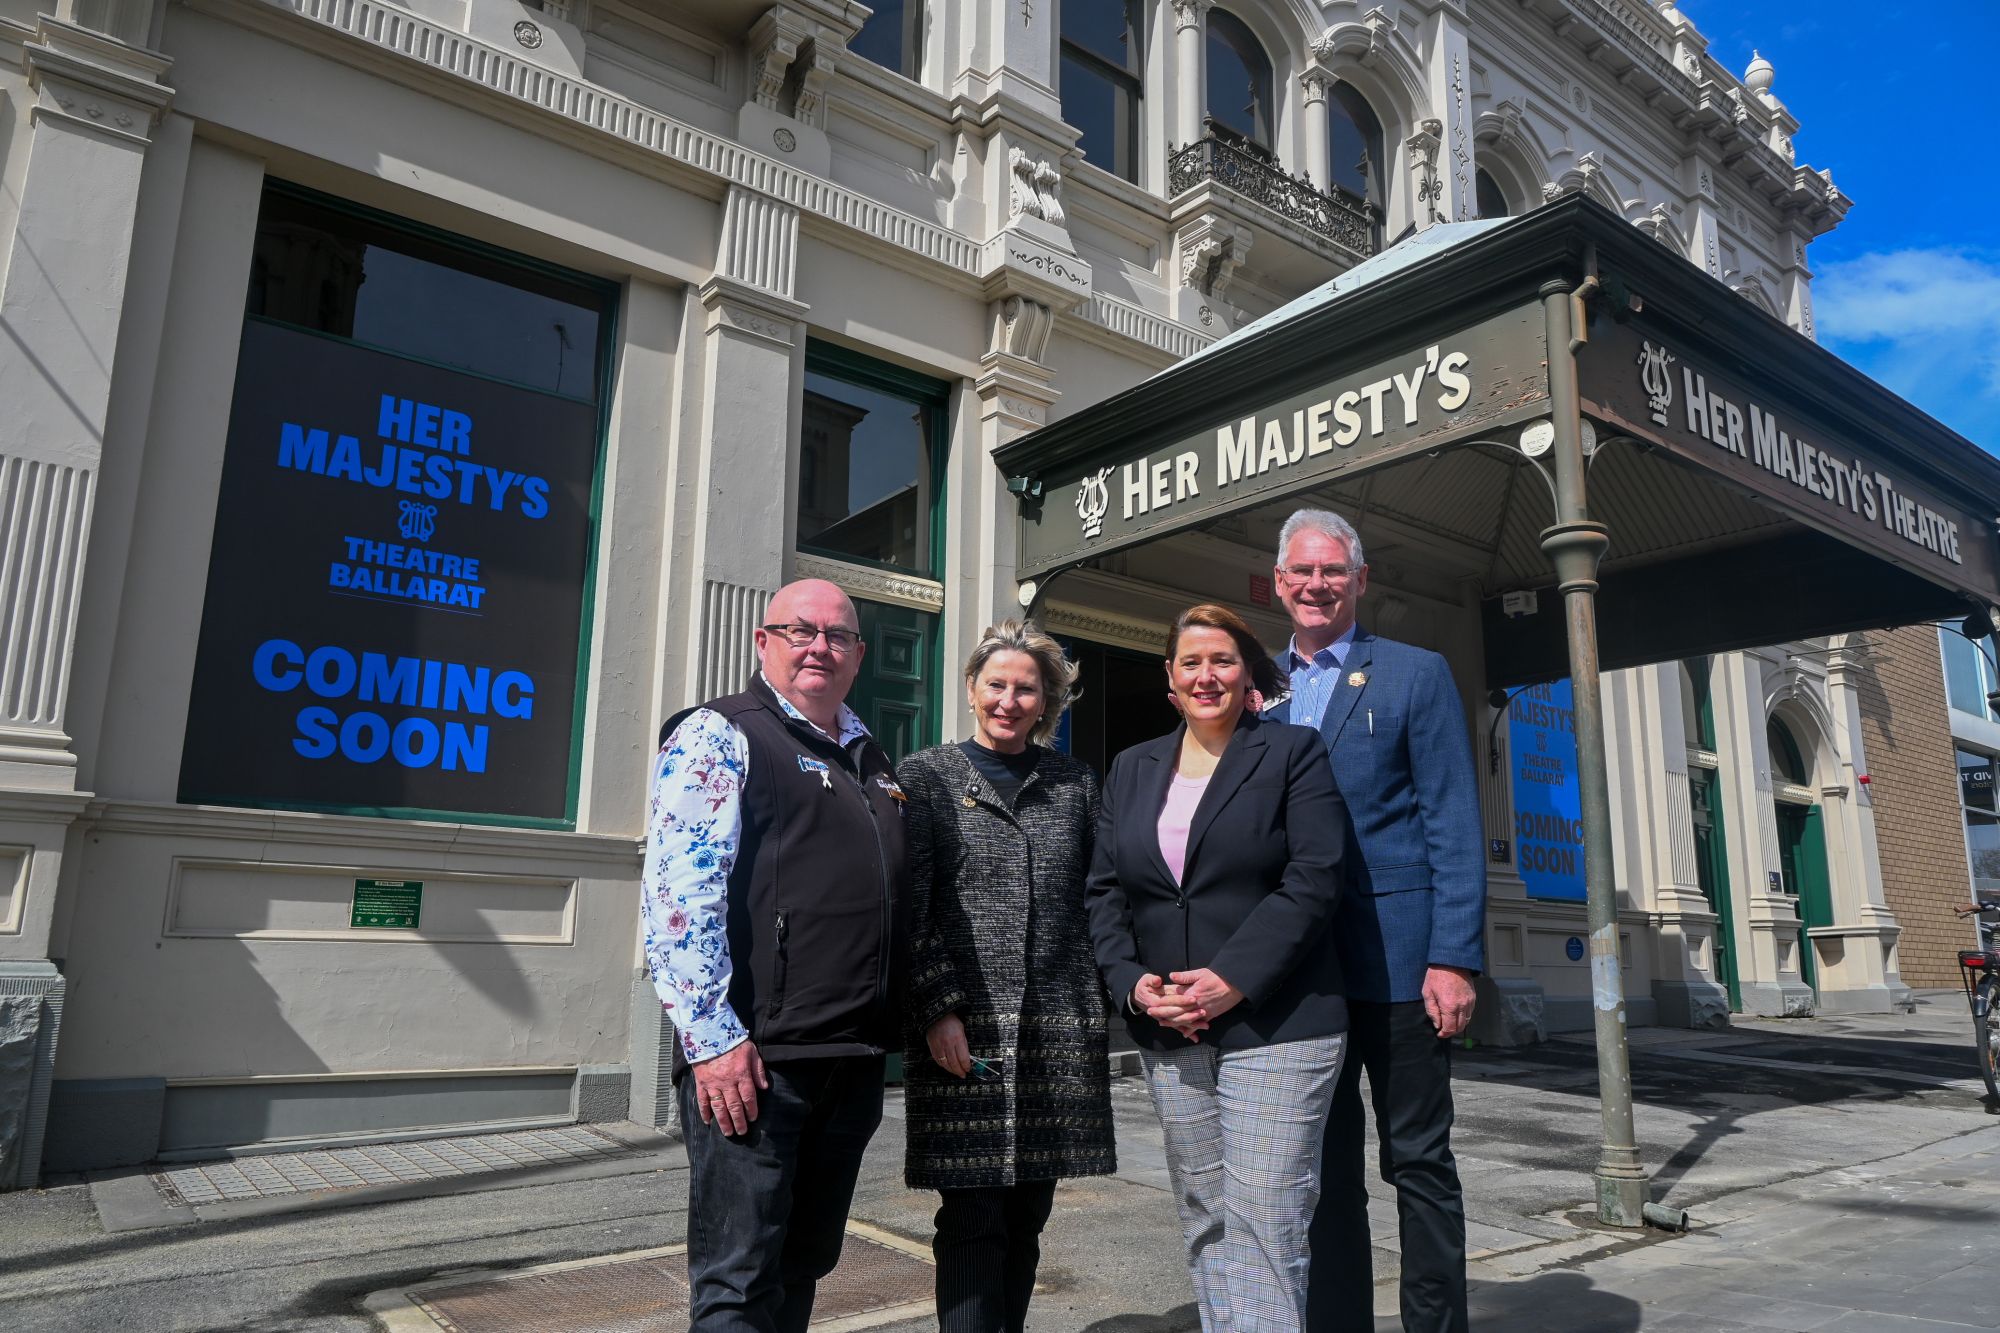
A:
745, 468
1314, 85
1448, 74
96, 103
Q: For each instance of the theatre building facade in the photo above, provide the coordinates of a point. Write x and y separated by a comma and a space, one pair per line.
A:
411, 405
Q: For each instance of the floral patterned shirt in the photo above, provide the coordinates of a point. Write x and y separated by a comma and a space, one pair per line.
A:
692, 833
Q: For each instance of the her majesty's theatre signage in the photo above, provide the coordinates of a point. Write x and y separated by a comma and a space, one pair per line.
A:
1370, 416
396, 588
1813, 470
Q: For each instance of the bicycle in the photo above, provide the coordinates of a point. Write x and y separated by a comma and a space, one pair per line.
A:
1979, 973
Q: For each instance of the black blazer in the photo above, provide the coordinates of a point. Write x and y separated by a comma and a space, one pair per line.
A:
1263, 876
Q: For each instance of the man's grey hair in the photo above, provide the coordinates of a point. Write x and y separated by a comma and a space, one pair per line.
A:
1326, 523
1057, 671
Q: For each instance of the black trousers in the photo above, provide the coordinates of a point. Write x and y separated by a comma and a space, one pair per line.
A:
767, 1210
988, 1244
1409, 1083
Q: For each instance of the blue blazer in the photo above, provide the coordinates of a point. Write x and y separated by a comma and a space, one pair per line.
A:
1416, 866
1259, 891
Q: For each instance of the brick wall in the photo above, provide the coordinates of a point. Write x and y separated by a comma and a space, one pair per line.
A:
1907, 734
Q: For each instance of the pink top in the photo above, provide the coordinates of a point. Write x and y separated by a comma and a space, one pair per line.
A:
1183, 795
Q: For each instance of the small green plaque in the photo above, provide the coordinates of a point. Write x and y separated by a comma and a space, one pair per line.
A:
386, 904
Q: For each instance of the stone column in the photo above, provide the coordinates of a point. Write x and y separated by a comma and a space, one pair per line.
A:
96, 102
1795, 293
1858, 972
1190, 68
1314, 85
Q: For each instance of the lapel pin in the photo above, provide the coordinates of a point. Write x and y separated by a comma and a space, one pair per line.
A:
1357, 678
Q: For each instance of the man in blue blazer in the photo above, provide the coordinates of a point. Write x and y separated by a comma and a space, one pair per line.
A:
1410, 930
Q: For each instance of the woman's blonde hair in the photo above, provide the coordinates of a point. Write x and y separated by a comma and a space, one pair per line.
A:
1058, 673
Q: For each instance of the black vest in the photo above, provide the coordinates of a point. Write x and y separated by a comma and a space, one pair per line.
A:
818, 897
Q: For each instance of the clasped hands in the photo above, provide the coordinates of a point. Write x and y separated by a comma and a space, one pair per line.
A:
1185, 1001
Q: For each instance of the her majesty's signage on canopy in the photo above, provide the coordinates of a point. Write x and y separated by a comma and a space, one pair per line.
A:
1372, 414
1771, 447
395, 590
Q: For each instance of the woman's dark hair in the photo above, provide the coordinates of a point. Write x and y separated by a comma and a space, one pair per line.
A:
1263, 671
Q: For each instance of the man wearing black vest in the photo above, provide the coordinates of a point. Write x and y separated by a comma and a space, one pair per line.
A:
774, 891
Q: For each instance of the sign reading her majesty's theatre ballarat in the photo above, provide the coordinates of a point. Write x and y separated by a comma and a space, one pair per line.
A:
1548, 803
1370, 416
1780, 451
395, 591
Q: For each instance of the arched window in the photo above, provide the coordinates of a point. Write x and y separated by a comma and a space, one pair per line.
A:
893, 37
1102, 71
1492, 199
1239, 80
1354, 144
1787, 763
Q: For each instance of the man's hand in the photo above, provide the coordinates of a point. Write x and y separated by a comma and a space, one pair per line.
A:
946, 1038
725, 1088
1448, 999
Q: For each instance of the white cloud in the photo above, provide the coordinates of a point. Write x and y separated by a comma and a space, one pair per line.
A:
1926, 323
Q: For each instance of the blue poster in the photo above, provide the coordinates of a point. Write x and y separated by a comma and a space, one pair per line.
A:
1548, 808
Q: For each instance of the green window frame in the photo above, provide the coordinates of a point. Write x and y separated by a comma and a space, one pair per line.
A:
863, 371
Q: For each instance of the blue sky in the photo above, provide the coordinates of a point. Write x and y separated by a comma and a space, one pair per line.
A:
1898, 102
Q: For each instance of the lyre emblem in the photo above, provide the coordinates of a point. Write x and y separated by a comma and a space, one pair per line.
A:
418, 522
1093, 499
1659, 385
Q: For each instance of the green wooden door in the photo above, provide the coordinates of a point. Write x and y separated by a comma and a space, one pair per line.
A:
1711, 861
1802, 857
896, 693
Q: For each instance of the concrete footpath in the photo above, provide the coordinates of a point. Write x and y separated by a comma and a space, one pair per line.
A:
1843, 1174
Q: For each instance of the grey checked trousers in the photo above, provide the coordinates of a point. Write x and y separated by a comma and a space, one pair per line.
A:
1244, 1131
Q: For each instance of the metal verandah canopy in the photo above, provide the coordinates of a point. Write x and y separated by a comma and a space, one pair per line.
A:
1755, 488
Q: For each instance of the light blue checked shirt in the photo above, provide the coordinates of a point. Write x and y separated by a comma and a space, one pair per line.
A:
1313, 678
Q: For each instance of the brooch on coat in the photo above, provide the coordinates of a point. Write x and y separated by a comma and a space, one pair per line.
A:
1357, 678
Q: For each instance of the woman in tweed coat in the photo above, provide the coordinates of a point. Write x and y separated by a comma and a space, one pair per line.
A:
1008, 1084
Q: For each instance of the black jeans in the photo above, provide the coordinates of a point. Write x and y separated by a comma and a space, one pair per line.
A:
987, 1245
766, 1211
1409, 1083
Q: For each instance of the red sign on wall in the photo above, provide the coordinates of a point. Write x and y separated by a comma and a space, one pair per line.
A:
1260, 590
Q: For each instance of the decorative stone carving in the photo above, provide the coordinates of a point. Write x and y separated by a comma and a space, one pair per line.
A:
1189, 13
1211, 251
1035, 187
813, 72
1423, 149
1372, 32
774, 43
1314, 85
1021, 327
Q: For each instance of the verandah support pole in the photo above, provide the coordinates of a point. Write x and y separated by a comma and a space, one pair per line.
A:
1575, 544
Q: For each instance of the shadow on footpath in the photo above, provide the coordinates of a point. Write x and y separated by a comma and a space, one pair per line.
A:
1558, 1302
1180, 1319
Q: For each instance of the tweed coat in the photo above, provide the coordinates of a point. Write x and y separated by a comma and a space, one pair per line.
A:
1000, 938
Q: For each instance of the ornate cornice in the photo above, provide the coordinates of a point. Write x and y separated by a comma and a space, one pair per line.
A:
875, 585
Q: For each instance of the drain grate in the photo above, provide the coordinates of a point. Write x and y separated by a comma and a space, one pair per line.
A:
880, 1280
276, 1174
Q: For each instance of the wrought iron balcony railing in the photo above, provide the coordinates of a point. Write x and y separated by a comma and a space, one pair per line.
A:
1343, 218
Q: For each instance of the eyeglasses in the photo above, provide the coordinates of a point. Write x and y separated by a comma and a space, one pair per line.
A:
986, 1071
1331, 573
802, 636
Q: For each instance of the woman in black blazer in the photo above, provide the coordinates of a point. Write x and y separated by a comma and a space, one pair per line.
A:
1215, 877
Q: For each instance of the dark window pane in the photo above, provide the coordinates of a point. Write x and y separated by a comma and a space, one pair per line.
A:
864, 489
1103, 27
889, 37
1098, 105
1239, 79
1787, 763
1492, 202
1354, 143
1975, 779
326, 270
